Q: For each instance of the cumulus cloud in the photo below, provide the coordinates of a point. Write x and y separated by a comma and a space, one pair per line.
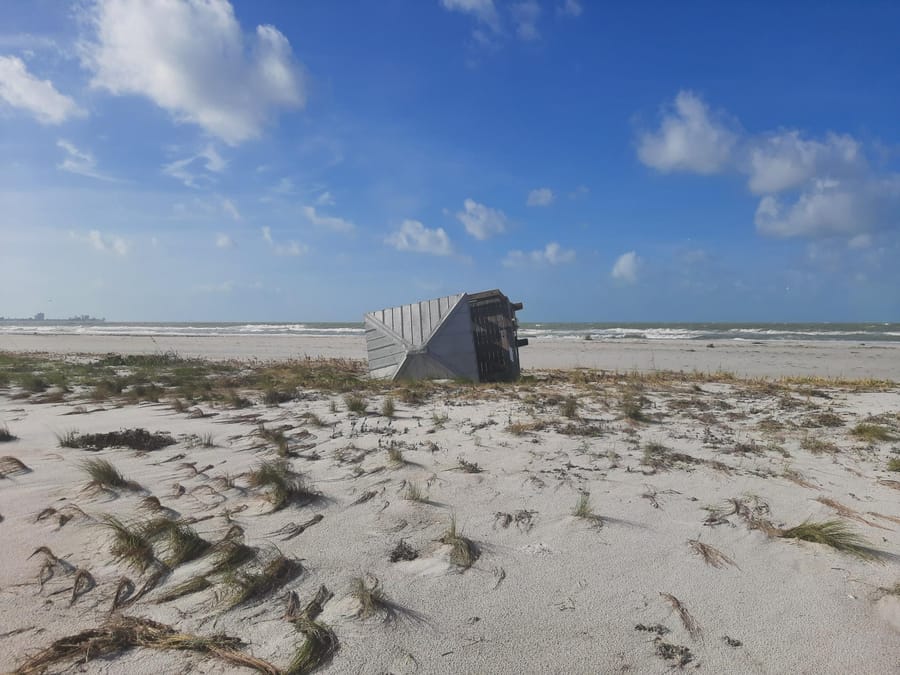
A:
78, 161
525, 16
833, 208
103, 243
414, 236
193, 60
808, 187
224, 241
267, 234
540, 197
689, 138
481, 221
325, 199
288, 248
551, 254
786, 160
189, 170
626, 267
331, 222
20, 89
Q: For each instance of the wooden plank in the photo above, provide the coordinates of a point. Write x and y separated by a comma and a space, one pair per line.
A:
396, 323
415, 318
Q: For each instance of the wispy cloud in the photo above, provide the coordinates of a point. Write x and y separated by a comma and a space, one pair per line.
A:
525, 17
414, 236
194, 171
229, 207
81, 162
540, 197
570, 8
224, 241
288, 248
207, 72
331, 222
20, 89
104, 243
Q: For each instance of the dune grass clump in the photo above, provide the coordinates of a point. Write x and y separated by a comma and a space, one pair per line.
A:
247, 586
872, 433
277, 438
5, 435
632, 407
370, 595
467, 467
135, 439
12, 466
415, 493
834, 533
285, 486
320, 642
229, 554
273, 397
104, 475
388, 407
183, 544
463, 551
584, 510
711, 555
569, 408
130, 544
121, 633
893, 464
355, 404
189, 587
395, 455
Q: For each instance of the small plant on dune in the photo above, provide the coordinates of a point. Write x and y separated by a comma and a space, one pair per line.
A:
834, 533
415, 493
277, 438
229, 554
5, 435
632, 407
893, 464
183, 544
355, 404
711, 555
207, 441
468, 467
395, 455
285, 485
463, 551
104, 475
68, 439
235, 400
189, 587
818, 446
388, 408
569, 408
130, 544
248, 586
439, 420
872, 433
320, 642
273, 397
585, 511
372, 600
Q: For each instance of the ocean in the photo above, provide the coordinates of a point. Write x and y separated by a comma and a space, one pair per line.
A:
851, 332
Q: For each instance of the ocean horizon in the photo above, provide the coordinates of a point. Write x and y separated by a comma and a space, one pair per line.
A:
601, 331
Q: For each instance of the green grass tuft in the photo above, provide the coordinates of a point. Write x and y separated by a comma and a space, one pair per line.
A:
285, 486
355, 403
130, 544
834, 533
464, 552
104, 475
872, 433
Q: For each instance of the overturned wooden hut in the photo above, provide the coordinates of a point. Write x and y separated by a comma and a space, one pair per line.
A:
468, 336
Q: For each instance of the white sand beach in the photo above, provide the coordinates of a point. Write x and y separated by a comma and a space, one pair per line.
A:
694, 484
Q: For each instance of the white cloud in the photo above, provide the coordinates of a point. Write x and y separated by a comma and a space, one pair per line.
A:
193, 60
525, 16
481, 221
860, 241
786, 160
103, 243
325, 199
224, 241
414, 236
229, 207
267, 233
833, 208
78, 161
483, 10
688, 139
540, 197
551, 254
626, 267
291, 248
571, 8
186, 170
21, 89
331, 222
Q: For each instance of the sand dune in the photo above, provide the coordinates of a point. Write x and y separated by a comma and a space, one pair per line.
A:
687, 486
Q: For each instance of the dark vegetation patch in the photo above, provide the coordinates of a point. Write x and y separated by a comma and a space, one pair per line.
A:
136, 439
403, 551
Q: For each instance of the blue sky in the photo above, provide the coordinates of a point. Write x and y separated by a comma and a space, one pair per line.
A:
303, 161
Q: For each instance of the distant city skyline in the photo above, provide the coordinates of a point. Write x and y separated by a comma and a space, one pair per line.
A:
272, 161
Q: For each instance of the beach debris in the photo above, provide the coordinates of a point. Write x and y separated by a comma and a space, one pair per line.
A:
690, 624
403, 551
711, 555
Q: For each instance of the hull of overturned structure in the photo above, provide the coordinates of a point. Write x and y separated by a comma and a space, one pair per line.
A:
462, 336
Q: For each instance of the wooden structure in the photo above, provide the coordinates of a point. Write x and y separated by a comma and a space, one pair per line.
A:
463, 336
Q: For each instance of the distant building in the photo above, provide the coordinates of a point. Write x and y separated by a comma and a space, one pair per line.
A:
39, 316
